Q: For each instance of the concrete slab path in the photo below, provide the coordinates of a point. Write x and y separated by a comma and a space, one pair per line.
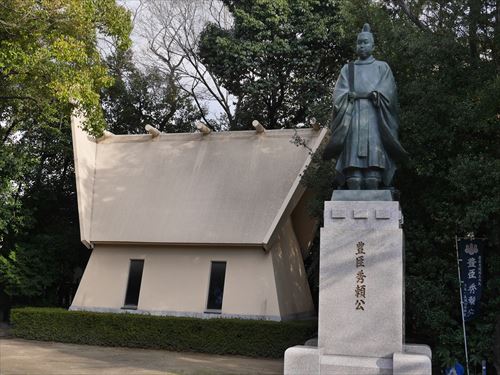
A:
26, 357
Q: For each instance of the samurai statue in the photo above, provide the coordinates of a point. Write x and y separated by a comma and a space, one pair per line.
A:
364, 138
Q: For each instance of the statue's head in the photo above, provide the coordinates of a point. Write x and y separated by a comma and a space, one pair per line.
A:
365, 42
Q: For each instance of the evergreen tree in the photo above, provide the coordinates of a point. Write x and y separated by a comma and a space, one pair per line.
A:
49, 59
278, 59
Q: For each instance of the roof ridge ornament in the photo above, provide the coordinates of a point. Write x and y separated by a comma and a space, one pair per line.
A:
259, 128
152, 130
203, 128
314, 124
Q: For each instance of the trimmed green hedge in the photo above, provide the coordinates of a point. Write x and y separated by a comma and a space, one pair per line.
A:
255, 338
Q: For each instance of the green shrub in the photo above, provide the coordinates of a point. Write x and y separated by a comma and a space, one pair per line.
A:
255, 338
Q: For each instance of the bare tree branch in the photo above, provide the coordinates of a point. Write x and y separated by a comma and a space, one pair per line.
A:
405, 7
137, 11
172, 31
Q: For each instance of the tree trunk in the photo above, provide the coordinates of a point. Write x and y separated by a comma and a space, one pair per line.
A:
474, 14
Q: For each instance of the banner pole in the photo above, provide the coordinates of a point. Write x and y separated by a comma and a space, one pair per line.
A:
462, 306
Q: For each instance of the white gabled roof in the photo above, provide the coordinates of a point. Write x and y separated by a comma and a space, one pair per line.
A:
220, 188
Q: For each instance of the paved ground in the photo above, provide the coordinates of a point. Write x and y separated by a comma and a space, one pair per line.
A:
26, 357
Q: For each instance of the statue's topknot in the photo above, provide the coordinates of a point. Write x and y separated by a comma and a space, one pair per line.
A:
366, 30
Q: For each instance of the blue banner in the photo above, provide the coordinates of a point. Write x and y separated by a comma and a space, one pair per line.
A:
457, 369
470, 258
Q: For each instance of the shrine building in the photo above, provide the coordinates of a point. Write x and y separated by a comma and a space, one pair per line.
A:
195, 224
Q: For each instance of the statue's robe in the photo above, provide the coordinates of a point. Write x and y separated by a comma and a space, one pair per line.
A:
365, 133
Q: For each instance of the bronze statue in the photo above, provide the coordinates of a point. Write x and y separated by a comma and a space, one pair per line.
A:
364, 138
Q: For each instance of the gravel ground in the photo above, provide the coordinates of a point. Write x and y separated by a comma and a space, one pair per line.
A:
27, 357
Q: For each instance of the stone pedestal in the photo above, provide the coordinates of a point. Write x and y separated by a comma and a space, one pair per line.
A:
361, 297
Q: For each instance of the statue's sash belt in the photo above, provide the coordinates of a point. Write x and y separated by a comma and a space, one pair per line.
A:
362, 133
363, 95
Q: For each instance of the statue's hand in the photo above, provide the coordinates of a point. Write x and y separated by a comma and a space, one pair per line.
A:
352, 95
374, 97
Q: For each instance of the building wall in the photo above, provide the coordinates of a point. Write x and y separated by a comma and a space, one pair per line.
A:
303, 224
175, 280
294, 295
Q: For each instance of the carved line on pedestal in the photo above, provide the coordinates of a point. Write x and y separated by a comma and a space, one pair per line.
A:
341, 213
382, 214
360, 214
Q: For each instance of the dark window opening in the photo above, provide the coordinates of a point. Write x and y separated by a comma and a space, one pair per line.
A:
134, 283
216, 288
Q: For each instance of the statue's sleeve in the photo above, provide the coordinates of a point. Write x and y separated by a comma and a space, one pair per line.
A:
341, 90
388, 98
387, 85
388, 113
341, 120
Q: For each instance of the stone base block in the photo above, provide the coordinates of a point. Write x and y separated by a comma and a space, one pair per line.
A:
411, 364
418, 349
350, 365
301, 360
362, 195
308, 360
